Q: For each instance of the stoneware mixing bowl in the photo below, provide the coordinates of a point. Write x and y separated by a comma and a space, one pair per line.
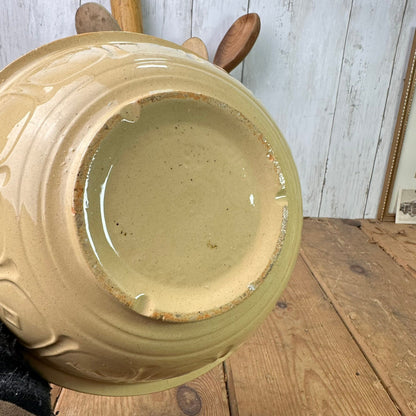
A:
150, 212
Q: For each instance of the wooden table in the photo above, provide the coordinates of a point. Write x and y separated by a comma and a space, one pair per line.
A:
341, 340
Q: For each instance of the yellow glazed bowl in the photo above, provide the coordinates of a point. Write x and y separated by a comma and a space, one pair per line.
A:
150, 212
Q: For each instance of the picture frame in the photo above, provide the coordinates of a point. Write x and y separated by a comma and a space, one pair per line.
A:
406, 207
401, 168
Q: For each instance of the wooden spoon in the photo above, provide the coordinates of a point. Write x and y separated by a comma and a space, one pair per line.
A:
196, 45
92, 17
128, 14
238, 41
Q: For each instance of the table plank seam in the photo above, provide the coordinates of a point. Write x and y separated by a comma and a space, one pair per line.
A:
394, 394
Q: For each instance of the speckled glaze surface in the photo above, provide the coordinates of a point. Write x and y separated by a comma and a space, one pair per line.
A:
150, 212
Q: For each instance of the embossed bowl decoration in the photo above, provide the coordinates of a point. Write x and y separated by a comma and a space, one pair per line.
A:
150, 212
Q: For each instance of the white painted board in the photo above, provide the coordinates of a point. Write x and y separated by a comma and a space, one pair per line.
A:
210, 21
330, 72
369, 53
28, 24
391, 109
294, 70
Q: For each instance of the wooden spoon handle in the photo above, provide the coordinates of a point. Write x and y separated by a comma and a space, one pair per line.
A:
92, 17
238, 41
196, 45
128, 14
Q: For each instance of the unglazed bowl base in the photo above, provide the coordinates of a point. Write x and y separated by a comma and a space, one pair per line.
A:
182, 206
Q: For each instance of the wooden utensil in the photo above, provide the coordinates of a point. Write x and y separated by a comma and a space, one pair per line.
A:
128, 14
92, 17
238, 41
197, 46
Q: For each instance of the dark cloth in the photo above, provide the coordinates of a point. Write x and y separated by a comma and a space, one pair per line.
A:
20, 384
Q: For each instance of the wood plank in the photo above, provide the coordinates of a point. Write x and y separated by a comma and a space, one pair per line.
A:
397, 240
212, 18
303, 361
55, 393
391, 108
364, 83
209, 21
204, 396
169, 20
25, 25
294, 70
374, 296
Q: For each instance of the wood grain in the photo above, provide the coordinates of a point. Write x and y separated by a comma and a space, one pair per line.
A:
93, 17
238, 41
128, 14
55, 393
391, 108
303, 361
294, 68
212, 18
296, 77
25, 25
375, 297
205, 396
169, 20
197, 46
397, 240
364, 81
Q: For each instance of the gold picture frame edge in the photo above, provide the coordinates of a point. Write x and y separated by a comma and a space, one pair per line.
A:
398, 137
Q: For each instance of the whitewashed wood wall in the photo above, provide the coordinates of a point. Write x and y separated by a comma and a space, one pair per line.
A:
330, 72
